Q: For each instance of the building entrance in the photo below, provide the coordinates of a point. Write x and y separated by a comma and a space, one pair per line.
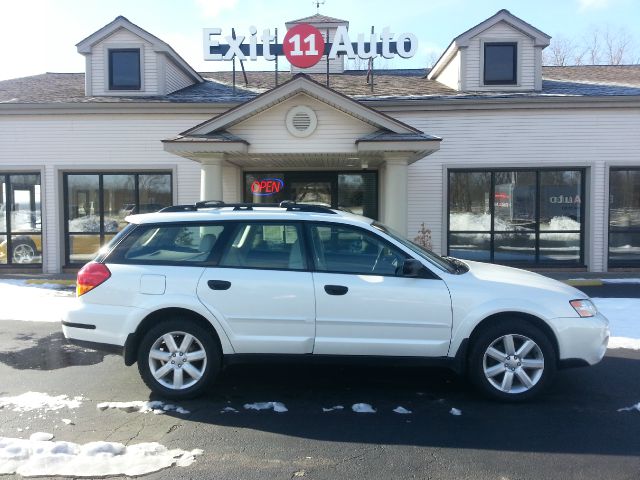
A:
355, 192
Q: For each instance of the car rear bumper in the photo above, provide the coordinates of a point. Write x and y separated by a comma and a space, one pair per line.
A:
582, 340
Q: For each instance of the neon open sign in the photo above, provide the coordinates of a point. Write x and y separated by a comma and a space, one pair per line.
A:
267, 186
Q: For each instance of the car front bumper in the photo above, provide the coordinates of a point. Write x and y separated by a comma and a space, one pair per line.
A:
582, 339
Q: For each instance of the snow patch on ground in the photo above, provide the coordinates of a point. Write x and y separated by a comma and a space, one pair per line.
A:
275, 406
39, 401
631, 408
624, 320
22, 301
362, 408
228, 410
156, 407
456, 412
402, 410
620, 280
31, 458
331, 409
67, 421
40, 436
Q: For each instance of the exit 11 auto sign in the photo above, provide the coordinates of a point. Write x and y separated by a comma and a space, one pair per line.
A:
304, 45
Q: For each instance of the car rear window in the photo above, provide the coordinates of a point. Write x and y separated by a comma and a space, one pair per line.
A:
169, 244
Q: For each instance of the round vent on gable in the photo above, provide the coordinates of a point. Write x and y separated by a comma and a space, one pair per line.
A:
301, 121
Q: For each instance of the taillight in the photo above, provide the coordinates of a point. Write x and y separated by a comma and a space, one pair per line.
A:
90, 276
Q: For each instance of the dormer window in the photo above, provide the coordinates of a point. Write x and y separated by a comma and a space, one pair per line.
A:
124, 69
500, 63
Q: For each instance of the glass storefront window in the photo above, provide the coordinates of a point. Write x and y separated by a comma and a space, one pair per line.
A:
469, 208
624, 217
355, 192
98, 203
535, 216
20, 214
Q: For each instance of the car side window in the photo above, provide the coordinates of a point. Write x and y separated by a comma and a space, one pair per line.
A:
178, 244
265, 245
343, 249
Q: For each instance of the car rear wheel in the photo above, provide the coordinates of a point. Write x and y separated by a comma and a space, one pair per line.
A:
178, 359
512, 360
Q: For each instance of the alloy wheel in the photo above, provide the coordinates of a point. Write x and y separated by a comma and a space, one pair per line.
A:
513, 363
177, 360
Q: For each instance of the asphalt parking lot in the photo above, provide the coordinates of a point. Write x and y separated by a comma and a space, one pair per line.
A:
573, 431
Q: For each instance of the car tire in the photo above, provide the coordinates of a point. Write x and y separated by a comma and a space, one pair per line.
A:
178, 358
23, 251
512, 360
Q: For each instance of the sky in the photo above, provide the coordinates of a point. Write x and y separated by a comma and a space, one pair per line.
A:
38, 36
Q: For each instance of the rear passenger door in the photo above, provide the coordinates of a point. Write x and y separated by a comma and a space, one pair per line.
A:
261, 289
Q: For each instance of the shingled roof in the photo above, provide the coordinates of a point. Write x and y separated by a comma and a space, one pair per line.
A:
317, 18
580, 81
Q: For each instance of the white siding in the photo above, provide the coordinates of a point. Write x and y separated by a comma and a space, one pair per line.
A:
450, 75
92, 142
176, 79
590, 138
500, 32
336, 130
335, 66
100, 63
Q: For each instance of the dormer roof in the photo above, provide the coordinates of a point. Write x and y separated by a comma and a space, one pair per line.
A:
540, 39
84, 46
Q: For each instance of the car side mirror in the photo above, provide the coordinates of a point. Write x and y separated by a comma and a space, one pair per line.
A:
412, 268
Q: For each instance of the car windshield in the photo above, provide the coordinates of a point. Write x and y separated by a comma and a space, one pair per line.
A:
446, 264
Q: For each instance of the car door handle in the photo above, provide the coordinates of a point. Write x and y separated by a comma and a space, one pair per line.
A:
219, 284
336, 289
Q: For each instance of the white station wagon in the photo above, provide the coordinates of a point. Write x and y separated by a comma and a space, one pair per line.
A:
184, 291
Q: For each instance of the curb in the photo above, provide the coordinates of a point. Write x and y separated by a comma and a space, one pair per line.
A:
584, 283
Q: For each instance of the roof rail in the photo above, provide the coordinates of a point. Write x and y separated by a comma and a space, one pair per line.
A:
290, 206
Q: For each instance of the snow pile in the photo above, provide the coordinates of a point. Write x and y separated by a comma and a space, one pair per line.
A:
631, 408
40, 437
331, 409
624, 320
455, 412
362, 408
402, 410
156, 407
470, 221
31, 458
560, 223
22, 302
276, 406
39, 401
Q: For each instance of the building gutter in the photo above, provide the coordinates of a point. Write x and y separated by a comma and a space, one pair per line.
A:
384, 105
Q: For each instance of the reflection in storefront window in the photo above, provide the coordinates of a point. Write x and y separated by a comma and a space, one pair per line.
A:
535, 216
624, 217
97, 205
20, 215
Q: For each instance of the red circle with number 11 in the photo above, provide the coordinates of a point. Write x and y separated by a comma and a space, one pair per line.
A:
303, 46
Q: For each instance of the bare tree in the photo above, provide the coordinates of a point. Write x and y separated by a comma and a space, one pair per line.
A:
599, 46
561, 52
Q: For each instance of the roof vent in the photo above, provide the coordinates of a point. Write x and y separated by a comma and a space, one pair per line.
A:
301, 121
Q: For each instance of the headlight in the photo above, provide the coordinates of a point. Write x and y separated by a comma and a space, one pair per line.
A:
585, 308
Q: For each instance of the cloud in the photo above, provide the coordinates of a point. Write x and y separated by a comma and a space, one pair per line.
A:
213, 8
593, 4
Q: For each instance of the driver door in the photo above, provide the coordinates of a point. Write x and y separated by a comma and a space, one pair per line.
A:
364, 306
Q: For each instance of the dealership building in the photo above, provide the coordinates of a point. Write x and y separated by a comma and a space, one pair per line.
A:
500, 158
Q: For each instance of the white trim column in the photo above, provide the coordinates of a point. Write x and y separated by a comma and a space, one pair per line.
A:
211, 178
395, 192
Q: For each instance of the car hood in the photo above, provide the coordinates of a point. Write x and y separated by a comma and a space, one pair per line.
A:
515, 277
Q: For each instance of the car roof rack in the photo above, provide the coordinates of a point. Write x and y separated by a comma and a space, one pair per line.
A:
290, 206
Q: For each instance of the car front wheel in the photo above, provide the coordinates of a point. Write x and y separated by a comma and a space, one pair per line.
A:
178, 359
23, 252
512, 361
